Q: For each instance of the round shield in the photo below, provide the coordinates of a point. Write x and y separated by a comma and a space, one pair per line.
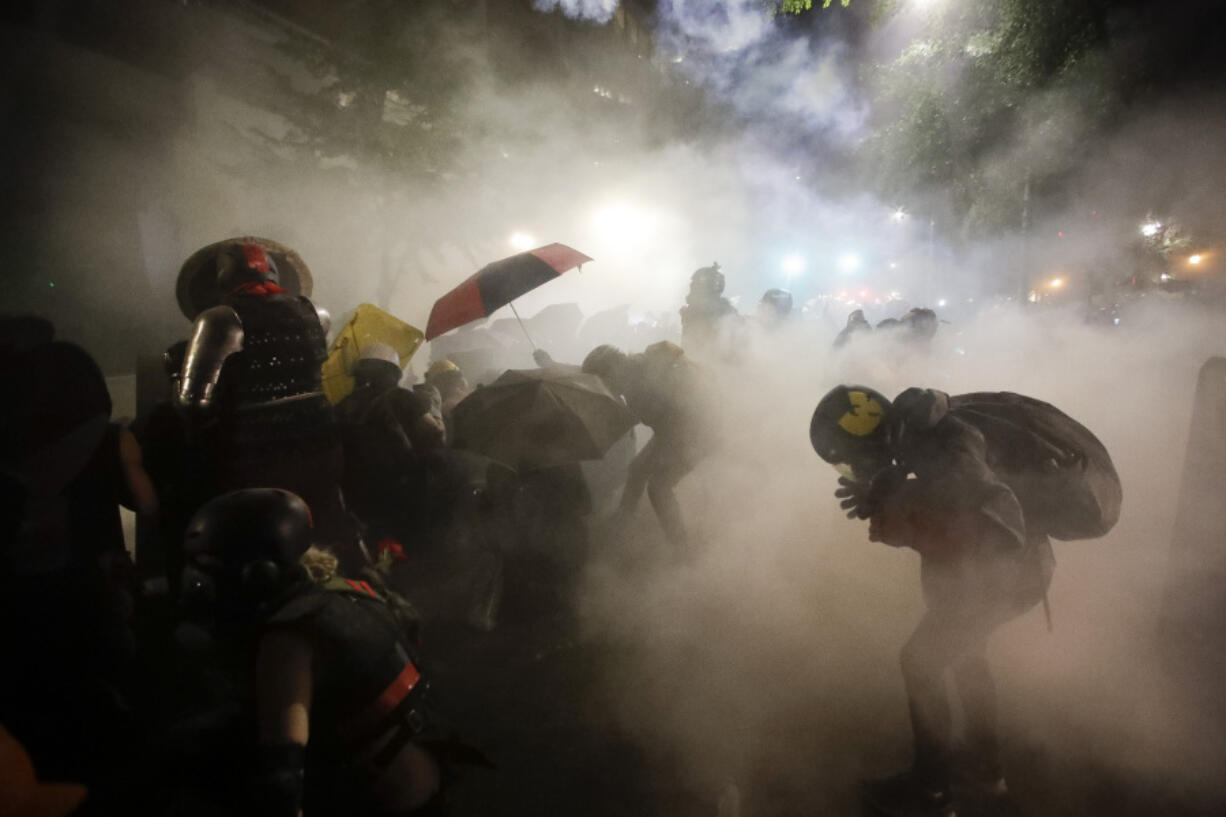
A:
196, 288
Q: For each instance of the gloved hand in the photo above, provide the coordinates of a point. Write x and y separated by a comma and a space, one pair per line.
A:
862, 498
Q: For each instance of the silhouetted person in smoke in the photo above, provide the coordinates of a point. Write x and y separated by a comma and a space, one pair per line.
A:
919, 325
975, 483
706, 315
662, 388
857, 324
774, 309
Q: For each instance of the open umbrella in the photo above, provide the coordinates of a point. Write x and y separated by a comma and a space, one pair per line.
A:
497, 284
368, 324
535, 418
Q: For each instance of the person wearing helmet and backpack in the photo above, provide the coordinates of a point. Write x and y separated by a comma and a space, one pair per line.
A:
976, 484
332, 702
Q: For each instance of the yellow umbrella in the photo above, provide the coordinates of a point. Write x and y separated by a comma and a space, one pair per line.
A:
368, 324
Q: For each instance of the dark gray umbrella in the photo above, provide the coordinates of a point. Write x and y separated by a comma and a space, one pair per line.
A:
534, 418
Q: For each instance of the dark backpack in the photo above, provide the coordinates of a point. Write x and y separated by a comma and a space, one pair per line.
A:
1060, 472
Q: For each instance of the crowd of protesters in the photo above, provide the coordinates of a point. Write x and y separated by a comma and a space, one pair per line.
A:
264, 656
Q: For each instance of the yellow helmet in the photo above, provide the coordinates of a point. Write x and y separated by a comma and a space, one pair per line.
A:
440, 367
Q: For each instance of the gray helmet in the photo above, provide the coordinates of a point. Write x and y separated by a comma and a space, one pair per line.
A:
378, 362
779, 300
709, 279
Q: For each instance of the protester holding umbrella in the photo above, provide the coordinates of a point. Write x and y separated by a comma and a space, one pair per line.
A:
542, 423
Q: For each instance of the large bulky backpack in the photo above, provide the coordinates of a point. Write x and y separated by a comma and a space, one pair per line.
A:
1060, 472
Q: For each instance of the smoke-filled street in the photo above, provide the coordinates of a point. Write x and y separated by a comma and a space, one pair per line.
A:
613, 407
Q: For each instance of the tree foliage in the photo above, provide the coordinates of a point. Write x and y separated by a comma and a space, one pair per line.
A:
801, 6
988, 99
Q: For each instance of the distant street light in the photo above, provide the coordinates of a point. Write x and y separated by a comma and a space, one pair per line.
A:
899, 215
1194, 260
793, 265
522, 241
1056, 283
1150, 229
849, 262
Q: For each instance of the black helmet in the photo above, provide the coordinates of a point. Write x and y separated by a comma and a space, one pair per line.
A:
604, 361
780, 300
850, 427
243, 547
710, 279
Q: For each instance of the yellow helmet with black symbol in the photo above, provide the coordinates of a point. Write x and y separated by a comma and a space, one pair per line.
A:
850, 427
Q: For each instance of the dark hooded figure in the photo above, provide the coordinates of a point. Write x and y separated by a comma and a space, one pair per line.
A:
67, 586
975, 483
856, 324
663, 389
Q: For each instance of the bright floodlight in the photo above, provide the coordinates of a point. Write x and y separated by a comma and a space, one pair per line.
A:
1150, 229
522, 241
942, 302
899, 214
1194, 260
622, 223
793, 264
1056, 283
849, 262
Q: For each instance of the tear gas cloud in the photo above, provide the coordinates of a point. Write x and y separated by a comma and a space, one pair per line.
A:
770, 657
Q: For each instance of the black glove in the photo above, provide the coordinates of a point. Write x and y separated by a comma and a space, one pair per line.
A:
861, 498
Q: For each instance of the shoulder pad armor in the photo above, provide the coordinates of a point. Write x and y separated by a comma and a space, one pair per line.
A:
217, 334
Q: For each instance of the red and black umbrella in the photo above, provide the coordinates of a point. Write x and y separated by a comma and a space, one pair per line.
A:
496, 285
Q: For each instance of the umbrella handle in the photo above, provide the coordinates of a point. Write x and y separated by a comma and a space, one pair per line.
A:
521, 325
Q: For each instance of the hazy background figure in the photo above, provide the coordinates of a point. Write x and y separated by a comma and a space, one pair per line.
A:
857, 325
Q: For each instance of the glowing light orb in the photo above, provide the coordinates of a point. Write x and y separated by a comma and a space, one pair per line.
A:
793, 264
522, 241
849, 262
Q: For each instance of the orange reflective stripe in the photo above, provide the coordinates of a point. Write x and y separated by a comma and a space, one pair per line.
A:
362, 587
398, 690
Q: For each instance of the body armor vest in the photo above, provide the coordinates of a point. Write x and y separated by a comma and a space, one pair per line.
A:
273, 386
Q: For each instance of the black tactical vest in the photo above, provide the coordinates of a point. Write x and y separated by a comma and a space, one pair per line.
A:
273, 392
